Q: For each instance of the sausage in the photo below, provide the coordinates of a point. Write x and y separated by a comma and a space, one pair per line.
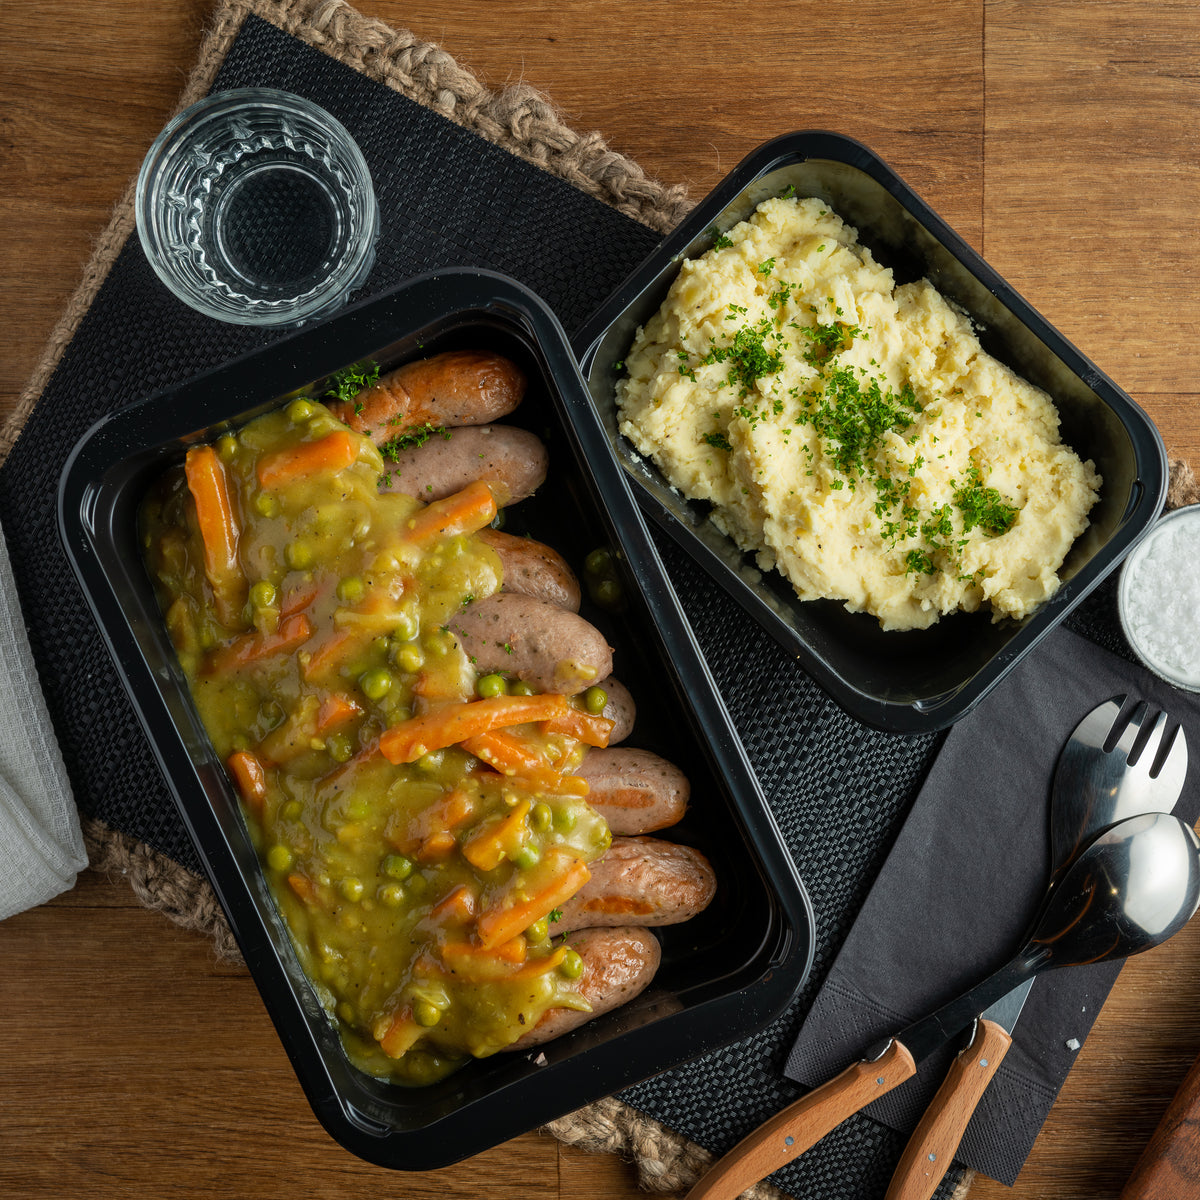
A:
460, 387
549, 647
534, 569
635, 791
620, 709
642, 880
512, 460
618, 964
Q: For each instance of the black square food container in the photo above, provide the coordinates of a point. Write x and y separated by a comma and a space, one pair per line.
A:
919, 679
725, 973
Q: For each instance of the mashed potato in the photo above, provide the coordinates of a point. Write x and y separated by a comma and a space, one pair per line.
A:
851, 433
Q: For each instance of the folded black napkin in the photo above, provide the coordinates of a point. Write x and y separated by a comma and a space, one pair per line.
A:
958, 891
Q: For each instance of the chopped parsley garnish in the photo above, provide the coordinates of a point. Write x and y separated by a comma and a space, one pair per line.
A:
717, 440
983, 507
918, 560
418, 435
345, 384
720, 241
765, 268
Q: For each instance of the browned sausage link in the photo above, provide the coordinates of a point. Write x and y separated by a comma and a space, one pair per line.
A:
635, 791
619, 708
534, 569
460, 387
642, 880
512, 460
550, 648
618, 964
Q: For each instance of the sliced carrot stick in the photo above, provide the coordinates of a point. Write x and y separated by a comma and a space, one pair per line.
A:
464, 512
219, 532
512, 951
409, 740
506, 753
303, 887
250, 777
339, 645
334, 452
539, 966
335, 711
458, 904
311, 720
487, 848
499, 924
584, 726
436, 846
249, 648
401, 1034
409, 834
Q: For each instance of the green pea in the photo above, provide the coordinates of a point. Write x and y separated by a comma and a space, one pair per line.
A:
417, 885
279, 858
598, 561
300, 410
571, 965
346, 1012
407, 627
227, 446
351, 888
431, 762
491, 685
564, 819
539, 931
291, 811
520, 688
262, 594
527, 857
409, 658
340, 747
396, 866
266, 505
541, 818
351, 589
426, 1013
299, 555
391, 894
608, 593
376, 683
595, 700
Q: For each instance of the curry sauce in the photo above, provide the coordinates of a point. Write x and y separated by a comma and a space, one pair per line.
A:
418, 831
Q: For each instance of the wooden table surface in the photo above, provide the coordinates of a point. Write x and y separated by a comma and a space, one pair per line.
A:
1059, 138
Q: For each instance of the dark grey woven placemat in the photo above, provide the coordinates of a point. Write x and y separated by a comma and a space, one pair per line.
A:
448, 197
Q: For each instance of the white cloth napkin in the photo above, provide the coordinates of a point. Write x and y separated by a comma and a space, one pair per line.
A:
41, 846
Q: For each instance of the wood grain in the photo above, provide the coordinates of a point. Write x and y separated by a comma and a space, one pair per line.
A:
931, 1149
1059, 138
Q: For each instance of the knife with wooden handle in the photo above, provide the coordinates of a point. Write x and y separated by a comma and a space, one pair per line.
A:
931, 1149
1170, 1165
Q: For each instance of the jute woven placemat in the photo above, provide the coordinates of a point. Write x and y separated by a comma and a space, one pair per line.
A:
524, 123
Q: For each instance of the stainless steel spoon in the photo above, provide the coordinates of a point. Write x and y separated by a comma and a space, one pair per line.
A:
1129, 890
1110, 768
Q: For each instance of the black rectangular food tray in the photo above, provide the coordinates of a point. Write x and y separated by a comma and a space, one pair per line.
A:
920, 679
725, 974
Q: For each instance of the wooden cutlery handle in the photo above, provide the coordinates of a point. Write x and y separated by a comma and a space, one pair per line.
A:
1170, 1164
931, 1148
788, 1134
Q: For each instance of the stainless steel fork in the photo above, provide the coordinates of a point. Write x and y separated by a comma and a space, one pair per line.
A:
1115, 765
